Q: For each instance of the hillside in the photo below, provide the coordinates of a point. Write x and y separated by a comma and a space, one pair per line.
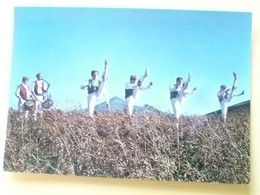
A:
234, 108
117, 105
145, 146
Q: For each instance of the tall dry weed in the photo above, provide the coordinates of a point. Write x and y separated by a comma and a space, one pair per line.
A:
146, 146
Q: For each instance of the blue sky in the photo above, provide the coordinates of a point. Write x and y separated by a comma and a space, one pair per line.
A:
65, 44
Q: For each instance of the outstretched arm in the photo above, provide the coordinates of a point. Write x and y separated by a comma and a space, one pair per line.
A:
194, 89
242, 93
147, 87
189, 92
85, 85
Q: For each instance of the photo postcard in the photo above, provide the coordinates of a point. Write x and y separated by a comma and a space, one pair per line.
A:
147, 94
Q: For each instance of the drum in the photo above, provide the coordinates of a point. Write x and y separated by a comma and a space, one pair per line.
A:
29, 104
47, 104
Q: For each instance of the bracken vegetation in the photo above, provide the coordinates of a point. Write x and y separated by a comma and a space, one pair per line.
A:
145, 146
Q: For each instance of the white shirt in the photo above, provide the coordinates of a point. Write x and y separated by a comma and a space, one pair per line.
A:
225, 94
182, 90
175, 88
91, 84
28, 93
135, 88
40, 90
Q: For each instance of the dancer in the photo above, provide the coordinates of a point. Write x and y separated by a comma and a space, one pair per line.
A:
178, 92
96, 89
225, 95
132, 89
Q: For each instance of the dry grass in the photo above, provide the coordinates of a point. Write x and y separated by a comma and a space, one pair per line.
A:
141, 147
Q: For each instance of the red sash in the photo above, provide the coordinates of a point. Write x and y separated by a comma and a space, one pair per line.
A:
23, 92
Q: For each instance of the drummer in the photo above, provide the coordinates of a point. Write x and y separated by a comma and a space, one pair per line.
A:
39, 88
23, 94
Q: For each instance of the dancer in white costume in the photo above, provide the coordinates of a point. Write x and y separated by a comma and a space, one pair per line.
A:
225, 95
132, 89
96, 89
178, 92
39, 88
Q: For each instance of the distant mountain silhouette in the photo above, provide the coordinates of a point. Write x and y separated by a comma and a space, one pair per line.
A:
117, 104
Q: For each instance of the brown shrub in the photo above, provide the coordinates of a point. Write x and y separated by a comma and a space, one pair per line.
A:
150, 146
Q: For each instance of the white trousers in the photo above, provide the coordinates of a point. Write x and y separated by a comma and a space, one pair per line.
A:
130, 104
130, 101
92, 98
224, 105
22, 110
176, 106
38, 107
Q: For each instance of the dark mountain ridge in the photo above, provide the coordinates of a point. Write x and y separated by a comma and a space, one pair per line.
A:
119, 105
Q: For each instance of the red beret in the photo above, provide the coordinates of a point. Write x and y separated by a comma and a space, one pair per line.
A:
223, 86
132, 77
93, 71
179, 78
25, 78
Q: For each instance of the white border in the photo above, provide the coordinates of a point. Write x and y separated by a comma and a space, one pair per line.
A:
11, 181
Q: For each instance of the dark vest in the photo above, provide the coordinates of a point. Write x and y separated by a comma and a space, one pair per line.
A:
128, 93
223, 97
174, 94
92, 88
36, 88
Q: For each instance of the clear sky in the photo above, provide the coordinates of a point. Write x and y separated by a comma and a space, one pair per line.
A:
65, 44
